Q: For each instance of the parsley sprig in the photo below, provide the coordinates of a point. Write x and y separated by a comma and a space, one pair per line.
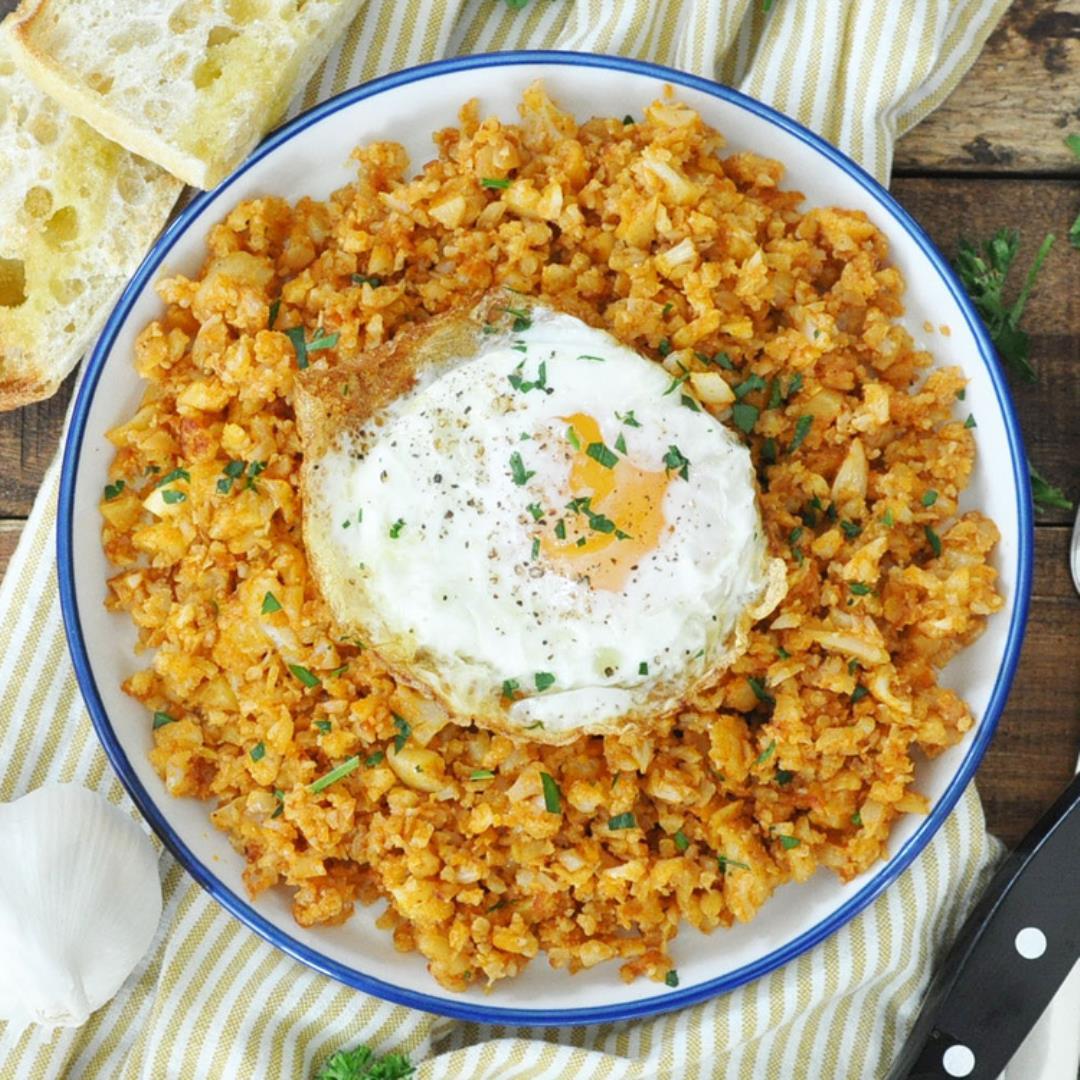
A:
360, 1063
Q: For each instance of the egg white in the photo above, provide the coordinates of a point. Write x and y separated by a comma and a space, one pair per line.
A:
434, 509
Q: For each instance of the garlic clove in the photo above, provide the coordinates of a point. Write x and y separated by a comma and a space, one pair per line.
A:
80, 900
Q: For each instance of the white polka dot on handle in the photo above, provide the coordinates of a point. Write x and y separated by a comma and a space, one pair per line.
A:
958, 1060
1030, 943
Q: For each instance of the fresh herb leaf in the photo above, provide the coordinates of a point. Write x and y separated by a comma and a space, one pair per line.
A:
858, 694
324, 726
934, 540
522, 319
255, 469
620, 444
622, 821
688, 402
495, 183
628, 418
768, 451
258, 751
572, 438
587, 356
305, 676
535, 510
113, 490
748, 386
560, 529
346, 767
375, 759
856, 819
518, 471
784, 777
543, 680
760, 692
395, 529
296, 335
766, 753
323, 341
598, 452
851, 530
176, 474
675, 462
270, 604
510, 688
163, 718
860, 588
724, 864
364, 279
1044, 494
481, 774
403, 732
744, 416
681, 842
552, 795
643, 668
929, 497
361, 1063
721, 359
802, 429
672, 978
984, 274
664, 348
789, 842
970, 421
275, 307
887, 518
173, 496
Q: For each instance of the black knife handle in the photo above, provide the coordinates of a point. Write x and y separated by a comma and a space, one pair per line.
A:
1012, 954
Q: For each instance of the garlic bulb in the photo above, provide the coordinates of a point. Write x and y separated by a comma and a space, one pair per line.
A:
80, 899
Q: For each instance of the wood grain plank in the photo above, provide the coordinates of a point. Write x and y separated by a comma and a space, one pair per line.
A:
10, 530
951, 208
1011, 111
1034, 751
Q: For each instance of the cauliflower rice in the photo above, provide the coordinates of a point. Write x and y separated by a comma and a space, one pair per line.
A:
803, 754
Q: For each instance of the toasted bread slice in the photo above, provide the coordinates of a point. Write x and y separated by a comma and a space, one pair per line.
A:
190, 84
77, 214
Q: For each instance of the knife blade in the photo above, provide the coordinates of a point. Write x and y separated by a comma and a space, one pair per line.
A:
1014, 951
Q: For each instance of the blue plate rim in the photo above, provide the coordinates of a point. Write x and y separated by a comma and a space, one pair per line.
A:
465, 1009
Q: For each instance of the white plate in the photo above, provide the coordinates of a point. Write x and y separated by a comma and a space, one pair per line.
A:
310, 157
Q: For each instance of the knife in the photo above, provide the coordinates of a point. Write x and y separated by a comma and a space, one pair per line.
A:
1013, 953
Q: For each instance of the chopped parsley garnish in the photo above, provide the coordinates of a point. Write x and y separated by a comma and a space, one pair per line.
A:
672, 978
403, 732
481, 774
887, 519
643, 668
721, 359
774, 394
296, 335
323, 725
858, 694
280, 796
510, 688
794, 386
970, 421
339, 671
929, 497
689, 403
233, 471
543, 680
744, 416
324, 341
522, 319
163, 718
587, 356
518, 382
860, 588
535, 510
724, 864
375, 759
173, 496
599, 452
768, 451
983, 274
628, 119
851, 530
275, 307
748, 386
270, 604
346, 767
766, 753
934, 540
856, 819
494, 182
364, 279
622, 821
572, 438
620, 444
552, 795
760, 692
802, 429
784, 777
675, 462
560, 529
664, 348
1044, 494
176, 474
782, 653
395, 529
113, 490
535, 548
681, 842
534, 725
668, 309
789, 842
676, 382
257, 752
628, 418
518, 471
305, 676
255, 469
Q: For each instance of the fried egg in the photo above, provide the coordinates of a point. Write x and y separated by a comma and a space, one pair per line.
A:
542, 527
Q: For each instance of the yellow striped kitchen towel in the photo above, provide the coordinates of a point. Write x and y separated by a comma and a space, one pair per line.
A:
212, 1000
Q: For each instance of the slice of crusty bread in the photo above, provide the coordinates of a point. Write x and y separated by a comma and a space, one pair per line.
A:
77, 213
190, 84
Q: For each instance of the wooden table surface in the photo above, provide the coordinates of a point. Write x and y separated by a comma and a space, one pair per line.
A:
991, 156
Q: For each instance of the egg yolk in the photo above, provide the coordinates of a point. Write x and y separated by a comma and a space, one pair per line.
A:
615, 516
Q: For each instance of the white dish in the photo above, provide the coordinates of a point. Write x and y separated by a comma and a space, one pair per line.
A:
310, 157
